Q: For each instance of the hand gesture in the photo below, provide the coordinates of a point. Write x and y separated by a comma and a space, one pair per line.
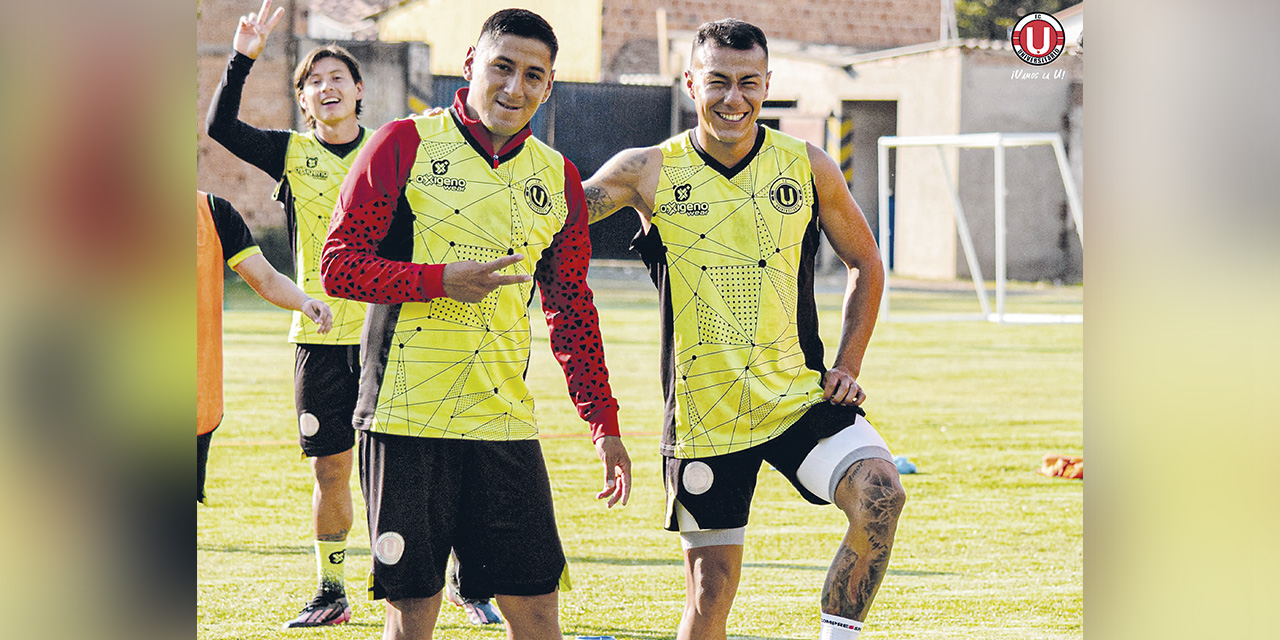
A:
617, 470
319, 313
252, 32
840, 387
470, 281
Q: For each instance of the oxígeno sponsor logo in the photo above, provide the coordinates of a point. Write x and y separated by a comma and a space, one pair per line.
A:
681, 206
448, 184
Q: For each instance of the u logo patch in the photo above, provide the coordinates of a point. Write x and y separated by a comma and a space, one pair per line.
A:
785, 196
537, 196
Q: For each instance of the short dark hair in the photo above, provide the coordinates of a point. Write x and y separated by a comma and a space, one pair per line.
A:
320, 53
732, 33
523, 23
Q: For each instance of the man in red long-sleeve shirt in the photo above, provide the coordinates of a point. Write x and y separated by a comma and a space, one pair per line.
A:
444, 224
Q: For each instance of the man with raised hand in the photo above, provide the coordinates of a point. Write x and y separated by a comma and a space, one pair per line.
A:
309, 167
730, 215
445, 225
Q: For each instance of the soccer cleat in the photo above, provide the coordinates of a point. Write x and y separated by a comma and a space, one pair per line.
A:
478, 611
324, 609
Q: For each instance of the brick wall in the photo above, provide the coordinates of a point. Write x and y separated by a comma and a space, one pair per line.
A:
868, 24
267, 104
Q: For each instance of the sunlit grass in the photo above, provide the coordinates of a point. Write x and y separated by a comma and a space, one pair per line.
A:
986, 548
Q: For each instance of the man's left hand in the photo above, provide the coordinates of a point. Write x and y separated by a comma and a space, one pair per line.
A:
840, 387
617, 470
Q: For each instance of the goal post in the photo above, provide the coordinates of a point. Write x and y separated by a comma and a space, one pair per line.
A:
998, 142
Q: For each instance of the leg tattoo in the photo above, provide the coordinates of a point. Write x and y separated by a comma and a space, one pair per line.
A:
873, 499
332, 537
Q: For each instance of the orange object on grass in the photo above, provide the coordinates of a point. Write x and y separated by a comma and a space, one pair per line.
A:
1059, 466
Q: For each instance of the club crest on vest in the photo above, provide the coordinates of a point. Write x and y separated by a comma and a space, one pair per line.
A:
785, 196
537, 197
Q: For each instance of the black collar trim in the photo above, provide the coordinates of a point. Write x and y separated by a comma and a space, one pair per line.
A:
343, 150
727, 172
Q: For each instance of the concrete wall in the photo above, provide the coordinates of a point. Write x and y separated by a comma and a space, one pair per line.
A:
926, 87
871, 119
450, 27
1000, 93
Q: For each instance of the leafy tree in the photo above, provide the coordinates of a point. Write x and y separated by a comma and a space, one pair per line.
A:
992, 19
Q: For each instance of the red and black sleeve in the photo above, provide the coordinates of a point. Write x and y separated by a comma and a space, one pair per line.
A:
572, 319
350, 265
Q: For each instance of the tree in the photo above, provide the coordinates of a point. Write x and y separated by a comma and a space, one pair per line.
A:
993, 19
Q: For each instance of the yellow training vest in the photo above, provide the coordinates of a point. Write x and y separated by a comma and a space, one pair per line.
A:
315, 175
456, 370
734, 249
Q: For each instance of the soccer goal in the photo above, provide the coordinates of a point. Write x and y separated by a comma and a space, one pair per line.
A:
998, 142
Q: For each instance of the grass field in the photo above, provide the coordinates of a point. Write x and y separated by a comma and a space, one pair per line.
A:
986, 547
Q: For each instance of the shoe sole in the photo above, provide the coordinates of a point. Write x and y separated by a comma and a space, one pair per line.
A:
477, 616
341, 619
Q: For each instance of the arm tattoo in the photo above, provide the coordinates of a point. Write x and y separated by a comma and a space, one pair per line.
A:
599, 204
635, 163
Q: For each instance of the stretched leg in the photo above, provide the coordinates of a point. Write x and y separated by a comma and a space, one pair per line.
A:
871, 497
711, 576
411, 618
532, 617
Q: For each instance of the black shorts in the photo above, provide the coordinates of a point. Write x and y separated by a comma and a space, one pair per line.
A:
488, 500
717, 490
202, 460
326, 383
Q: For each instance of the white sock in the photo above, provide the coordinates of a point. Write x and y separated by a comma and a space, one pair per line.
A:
837, 628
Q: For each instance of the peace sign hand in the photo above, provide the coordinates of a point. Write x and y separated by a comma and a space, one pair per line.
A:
471, 281
252, 32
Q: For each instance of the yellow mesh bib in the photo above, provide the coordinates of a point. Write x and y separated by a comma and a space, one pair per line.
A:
315, 174
456, 370
733, 253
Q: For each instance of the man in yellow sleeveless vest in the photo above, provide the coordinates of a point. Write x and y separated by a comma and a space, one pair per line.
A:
309, 167
222, 236
730, 214
445, 225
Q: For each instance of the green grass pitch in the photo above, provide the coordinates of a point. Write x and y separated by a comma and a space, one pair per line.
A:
986, 547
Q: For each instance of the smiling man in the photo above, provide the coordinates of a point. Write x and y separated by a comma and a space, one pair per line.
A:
730, 215
445, 225
308, 167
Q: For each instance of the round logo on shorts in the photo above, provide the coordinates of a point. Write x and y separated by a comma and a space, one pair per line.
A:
785, 195
698, 478
308, 425
1038, 38
389, 547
